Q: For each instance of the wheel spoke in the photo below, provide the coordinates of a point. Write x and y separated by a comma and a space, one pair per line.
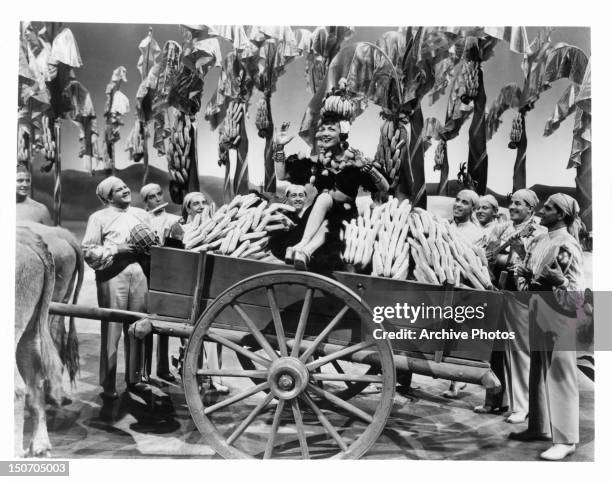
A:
278, 322
233, 373
250, 417
339, 369
275, 424
339, 354
326, 331
301, 328
237, 397
299, 426
352, 409
255, 331
324, 421
330, 377
239, 349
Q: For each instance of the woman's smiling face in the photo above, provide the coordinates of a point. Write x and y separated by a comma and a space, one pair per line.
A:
328, 135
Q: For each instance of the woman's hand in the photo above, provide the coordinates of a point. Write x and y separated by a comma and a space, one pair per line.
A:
281, 136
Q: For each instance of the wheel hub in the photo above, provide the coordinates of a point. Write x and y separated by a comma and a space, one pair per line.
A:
288, 377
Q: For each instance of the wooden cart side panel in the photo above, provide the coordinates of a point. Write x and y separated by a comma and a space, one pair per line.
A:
377, 291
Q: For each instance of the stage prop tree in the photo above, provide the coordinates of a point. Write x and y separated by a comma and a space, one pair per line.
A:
49, 93
116, 106
272, 49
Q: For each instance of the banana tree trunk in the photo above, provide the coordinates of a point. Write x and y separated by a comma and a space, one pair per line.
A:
584, 189
145, 155
193, 183
418, 189
443, 184
57, 187
241, 174
519, 177
478, 161
270, 175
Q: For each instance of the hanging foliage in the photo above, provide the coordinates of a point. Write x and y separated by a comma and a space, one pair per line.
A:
117, 105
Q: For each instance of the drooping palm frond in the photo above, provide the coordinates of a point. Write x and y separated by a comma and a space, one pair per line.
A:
564, 107
509, 97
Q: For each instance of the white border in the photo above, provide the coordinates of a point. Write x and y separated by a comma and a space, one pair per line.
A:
312, 12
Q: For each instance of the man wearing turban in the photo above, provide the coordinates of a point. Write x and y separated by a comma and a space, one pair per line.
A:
466, 203
472, 233
161, 222
109, 249
486, 214
554, 269
519, 232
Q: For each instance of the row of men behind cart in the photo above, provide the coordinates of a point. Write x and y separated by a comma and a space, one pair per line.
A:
540, 387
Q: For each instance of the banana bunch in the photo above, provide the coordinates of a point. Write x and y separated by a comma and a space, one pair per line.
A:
262, 119
178, 149
516, 132
403, 243
48, 140
231, 125
470, 70
391, 148
23, 149
440, 155
441, 256
340, 105
239, 229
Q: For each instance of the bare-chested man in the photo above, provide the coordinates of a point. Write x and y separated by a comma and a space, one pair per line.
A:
27, 208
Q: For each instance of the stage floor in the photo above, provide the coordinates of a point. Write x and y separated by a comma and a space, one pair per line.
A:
423, 424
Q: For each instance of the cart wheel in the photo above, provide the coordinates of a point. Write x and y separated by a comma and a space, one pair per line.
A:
343, 389
285, 412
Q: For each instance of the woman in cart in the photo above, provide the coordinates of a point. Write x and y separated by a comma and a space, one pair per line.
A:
193, 203
337, 174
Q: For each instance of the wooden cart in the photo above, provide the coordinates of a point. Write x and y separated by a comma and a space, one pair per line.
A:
304, 350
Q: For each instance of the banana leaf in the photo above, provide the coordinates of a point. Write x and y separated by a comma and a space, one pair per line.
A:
368, 75
564, 107
431, 130
325, 43
149, 53
583, 100
235, 83
509, 97
515, 36
565, 62
303, 40
533, 67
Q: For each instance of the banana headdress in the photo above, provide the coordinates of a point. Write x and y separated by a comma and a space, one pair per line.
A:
338, 106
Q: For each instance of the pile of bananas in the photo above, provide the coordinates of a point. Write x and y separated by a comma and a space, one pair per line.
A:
23, 149
179, 146
398, 242
239, 229
441, 256
341, 105
516, 132
378, 237
262, 119
392, 146
469, 71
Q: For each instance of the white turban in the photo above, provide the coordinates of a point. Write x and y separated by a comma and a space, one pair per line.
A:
490, 199
104, 189
190, 196
471, 195
568, 206
148, 189
527, 196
